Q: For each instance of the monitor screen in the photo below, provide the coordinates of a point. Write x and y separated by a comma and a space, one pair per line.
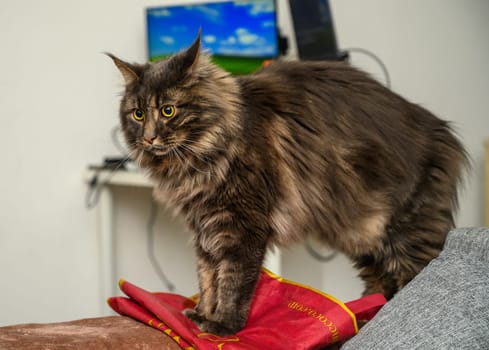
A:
314, 29
239, 34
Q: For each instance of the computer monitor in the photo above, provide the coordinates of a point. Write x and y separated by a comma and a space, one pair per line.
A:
240, 34
314, 30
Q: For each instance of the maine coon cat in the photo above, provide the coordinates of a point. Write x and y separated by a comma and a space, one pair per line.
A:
294, 149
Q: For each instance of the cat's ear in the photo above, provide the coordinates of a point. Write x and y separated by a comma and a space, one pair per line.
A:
191, 55
128, 71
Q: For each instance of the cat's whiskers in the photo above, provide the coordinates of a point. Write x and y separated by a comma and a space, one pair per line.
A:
135, 153
132, 153
139, 159
175, 152
202, 157
189, 162
123, 161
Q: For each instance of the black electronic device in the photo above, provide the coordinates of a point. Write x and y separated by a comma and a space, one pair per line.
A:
314, 30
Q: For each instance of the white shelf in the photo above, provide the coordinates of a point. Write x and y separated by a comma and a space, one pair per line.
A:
131, 178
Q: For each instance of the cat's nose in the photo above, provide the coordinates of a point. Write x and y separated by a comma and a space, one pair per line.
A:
149, 139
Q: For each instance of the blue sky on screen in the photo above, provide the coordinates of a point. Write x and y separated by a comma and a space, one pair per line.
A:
239, 28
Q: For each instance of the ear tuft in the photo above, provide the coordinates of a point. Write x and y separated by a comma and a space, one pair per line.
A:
191, 55
127, 70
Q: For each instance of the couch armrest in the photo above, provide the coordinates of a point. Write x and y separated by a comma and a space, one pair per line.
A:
114, 332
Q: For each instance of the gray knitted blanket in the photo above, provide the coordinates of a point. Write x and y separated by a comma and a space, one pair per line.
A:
445, 307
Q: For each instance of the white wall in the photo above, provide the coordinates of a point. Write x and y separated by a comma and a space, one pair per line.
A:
59, 96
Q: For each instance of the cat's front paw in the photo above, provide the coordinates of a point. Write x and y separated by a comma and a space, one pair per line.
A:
209, 326
194, 316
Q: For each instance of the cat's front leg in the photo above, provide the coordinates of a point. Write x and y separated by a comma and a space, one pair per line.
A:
227, 296
206, 273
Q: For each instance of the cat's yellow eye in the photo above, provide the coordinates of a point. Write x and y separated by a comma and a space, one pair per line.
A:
168, 111
138, 114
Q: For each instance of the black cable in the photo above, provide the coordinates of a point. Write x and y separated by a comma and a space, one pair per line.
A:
93, 194
114, 134
376, 59
316, 255
95, 188
150, 247
95, 185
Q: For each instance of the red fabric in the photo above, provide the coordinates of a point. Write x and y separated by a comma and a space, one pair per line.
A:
283, 314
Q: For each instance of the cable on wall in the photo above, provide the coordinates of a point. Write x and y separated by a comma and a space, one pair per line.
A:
115, 133
376, 59
319, 257
153, 215
95, 185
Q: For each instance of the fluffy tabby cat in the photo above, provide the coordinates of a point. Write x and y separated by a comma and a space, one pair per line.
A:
294, 149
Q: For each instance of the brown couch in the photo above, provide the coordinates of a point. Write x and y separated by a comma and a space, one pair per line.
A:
114, 332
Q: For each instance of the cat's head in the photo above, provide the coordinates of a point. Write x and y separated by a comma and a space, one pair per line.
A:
180, 110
